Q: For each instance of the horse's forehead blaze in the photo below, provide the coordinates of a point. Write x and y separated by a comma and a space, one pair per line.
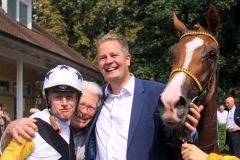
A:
190, 48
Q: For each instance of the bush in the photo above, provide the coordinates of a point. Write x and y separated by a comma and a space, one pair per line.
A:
222, 138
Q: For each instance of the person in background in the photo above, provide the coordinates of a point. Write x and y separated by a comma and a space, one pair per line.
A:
233, 127
54, 139
221, 119
222, 115
192, 152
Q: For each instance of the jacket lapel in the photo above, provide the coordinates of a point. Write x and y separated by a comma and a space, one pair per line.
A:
137, 106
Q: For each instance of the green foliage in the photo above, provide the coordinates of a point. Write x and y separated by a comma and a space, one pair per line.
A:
48, 16
222, 138
148, 28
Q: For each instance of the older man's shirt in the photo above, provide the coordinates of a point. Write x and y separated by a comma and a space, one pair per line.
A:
230, 120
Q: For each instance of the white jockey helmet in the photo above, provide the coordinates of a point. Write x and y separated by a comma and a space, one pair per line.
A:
63, 78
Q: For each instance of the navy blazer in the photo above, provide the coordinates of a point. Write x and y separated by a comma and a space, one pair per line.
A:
237, 116
147, 137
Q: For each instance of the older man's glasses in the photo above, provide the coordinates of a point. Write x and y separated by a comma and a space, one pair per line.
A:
86, 107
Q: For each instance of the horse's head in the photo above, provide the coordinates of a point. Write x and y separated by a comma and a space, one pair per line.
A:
194, 63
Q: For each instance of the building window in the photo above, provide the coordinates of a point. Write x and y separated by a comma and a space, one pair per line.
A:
27, 89
8, 87
4, 87
23, 10
11, 8
20, 10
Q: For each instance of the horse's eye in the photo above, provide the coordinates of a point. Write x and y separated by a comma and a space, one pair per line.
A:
212, 55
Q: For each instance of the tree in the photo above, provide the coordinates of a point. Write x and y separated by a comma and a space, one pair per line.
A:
49, 17
148, 27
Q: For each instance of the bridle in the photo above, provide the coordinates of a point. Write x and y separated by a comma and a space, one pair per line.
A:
181, 132
203, 89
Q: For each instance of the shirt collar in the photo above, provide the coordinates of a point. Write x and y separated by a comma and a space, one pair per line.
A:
127, 89
62, 124
232, 109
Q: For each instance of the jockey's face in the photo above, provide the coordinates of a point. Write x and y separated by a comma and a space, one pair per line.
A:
62, 104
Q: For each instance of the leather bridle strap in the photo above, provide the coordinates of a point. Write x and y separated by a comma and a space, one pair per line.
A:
185, 70
197, 99
193, 33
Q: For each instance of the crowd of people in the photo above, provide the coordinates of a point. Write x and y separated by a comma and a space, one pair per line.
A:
116, 121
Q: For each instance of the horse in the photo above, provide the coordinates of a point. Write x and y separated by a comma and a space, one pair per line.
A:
193, 79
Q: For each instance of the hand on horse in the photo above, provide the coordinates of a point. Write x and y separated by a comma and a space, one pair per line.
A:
193, 118
192, 152
22, 127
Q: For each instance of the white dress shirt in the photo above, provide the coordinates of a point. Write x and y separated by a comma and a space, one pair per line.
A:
222, 117
113, 123
230, 120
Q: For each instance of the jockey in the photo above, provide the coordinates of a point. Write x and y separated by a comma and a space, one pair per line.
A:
54, 140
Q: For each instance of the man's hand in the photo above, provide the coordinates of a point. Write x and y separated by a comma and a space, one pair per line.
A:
191, 152
6, 117
193, 118
234, 129
24, 127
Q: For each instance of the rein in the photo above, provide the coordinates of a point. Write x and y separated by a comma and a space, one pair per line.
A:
202, 89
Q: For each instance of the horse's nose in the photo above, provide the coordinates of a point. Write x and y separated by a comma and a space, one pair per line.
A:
181, 107
181, 102
176, 102
170, 100
173, 110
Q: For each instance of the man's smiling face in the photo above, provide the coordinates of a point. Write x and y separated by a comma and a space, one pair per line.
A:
112, 61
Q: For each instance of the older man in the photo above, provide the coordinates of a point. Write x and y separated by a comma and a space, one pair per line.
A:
90, 100
233, 126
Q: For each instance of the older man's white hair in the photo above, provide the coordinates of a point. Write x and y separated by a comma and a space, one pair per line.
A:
93, 88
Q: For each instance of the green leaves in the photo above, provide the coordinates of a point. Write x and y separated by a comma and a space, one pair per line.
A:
48, 16
148, 28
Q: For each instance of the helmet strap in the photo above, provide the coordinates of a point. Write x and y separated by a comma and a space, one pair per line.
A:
53, 122
79, 95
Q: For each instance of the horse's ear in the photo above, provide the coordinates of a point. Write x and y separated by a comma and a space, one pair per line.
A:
213, 20
179, 26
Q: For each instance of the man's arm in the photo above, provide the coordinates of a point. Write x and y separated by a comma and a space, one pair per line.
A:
16, 151
24, 127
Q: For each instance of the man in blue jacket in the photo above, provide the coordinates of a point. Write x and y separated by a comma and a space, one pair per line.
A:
127, 125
